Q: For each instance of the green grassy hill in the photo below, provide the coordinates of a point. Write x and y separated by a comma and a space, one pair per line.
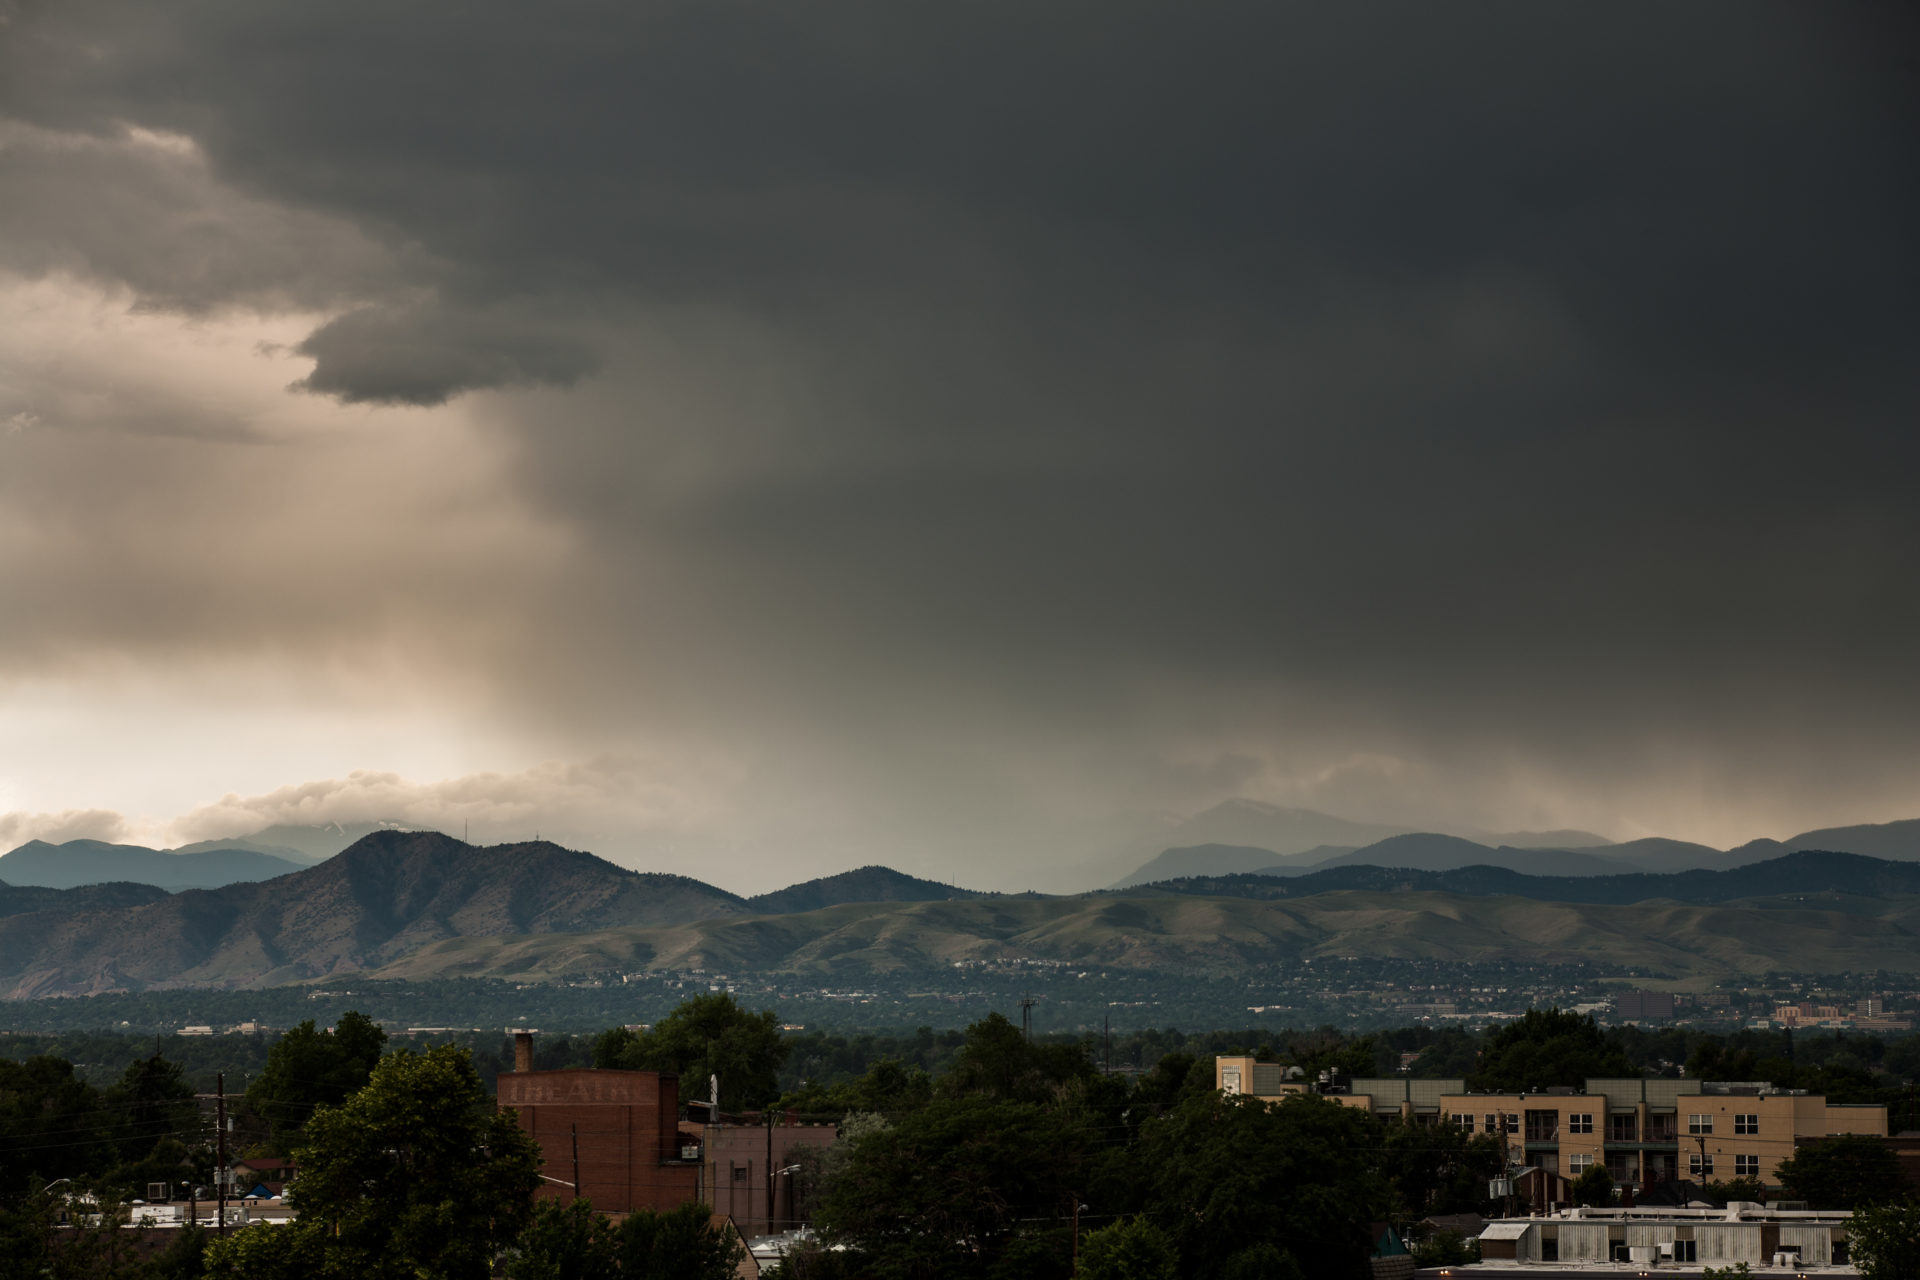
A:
1217, 934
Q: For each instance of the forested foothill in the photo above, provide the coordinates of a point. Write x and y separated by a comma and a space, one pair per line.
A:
982, 1152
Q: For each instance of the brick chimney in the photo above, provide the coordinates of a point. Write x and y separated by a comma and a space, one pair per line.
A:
523, 1051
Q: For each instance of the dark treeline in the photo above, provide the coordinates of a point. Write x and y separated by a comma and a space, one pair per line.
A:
1846, 1067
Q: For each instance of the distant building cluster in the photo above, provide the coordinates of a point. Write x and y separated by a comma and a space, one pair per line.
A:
1867, 1014
1644, 1132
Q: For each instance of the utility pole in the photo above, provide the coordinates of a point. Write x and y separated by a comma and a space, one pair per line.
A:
769, 1110
1506, 1155
575, 1131
1106, 1036
220, 1166
1026, 1017
1074, 1269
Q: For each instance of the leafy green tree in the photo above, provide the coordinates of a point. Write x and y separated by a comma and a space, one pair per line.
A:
708, 1035
51, 1126
1445, 1249
1238, 1183
997, 1061
1884, 1241
152, 1101
810, 1260
686, 1243
888, 1085
1130, 1249
157, 1129
1724, 1193
950, 1190
1545, 1048
1846, 1172
1437, 1168
1175, 1078
26, 1232
1329, 1050
48, 1236
1594, 1188
566, 1240
416, 1174
1717, 1060
309, 1068
184, 1258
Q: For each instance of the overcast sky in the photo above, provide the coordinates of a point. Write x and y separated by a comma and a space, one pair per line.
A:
756, 440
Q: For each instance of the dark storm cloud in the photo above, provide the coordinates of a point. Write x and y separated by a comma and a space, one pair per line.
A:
419, 354
1535, 377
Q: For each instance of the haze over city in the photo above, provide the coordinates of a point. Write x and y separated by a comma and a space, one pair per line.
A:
753, 443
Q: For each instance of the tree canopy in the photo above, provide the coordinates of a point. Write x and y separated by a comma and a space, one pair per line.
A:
959, 1187
1244, 1187
1884, 1241
309, 1068
567, 1240
1130, 1249
1545, 1048
708, 1035
416, 1174
1846, 1172
999, 1061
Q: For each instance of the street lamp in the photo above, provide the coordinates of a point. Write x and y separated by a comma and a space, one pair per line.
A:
787, 1172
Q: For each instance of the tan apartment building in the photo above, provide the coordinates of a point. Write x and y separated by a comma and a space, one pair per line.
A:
1643, 1131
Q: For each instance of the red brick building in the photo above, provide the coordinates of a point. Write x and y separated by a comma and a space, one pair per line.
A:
624, 1126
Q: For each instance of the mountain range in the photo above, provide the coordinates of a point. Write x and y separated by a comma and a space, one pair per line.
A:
420, 904
206, 864
390, 893
1843, 881
1430, 851
1233, 838
91, 862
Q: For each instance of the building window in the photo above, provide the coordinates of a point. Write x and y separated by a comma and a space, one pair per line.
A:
1623, 1128
1513, 1121
1579, 1162
1464, 1120
1230, 1080
1746, 1124
1746, 1166
1700, 1124
1493, 1123
1700, 1166
1580, 1123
